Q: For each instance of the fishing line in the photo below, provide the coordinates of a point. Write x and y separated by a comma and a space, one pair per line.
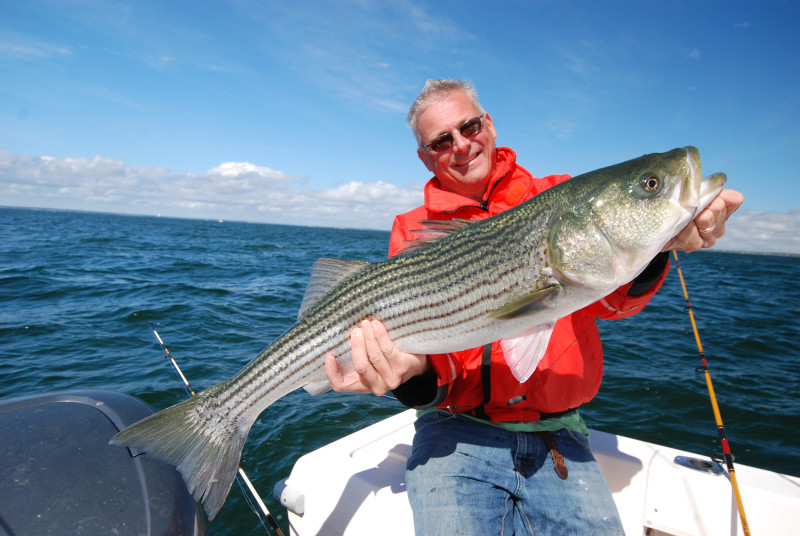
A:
726, 451
249, 501
241, 472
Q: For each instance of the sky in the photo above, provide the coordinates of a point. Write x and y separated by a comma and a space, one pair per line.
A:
294, 112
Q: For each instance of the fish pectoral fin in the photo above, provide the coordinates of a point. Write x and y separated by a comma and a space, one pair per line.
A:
524, 352
530, 303
318, 388
326, 273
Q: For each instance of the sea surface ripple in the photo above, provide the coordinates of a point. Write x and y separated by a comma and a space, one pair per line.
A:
77, 291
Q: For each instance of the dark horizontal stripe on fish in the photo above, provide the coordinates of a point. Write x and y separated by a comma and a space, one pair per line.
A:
405, 276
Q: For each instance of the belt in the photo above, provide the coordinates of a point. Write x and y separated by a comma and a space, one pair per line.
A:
558, 458
543, 416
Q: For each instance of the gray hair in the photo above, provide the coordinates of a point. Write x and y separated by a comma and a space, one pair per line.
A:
438, 90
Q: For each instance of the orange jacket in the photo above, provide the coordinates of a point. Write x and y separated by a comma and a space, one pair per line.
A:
571, 371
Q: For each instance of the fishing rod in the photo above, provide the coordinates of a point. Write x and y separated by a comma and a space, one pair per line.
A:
172, 361
241, 472
726, 451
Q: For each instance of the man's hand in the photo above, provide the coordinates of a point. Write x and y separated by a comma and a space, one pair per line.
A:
379, 365
709, 225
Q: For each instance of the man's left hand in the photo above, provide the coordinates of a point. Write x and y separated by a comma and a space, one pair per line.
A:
709, 225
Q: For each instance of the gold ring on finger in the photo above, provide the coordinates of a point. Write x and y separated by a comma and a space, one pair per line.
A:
708, 229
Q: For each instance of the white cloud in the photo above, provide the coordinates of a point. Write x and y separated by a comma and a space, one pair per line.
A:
574, 63
761, 231
562, 129
31, 49
232, 190
249, 192
370, 193
244, 169
349, 49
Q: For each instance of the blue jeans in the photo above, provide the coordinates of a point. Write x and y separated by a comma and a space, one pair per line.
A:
469, 478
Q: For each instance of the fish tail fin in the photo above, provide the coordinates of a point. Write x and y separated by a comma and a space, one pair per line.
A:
205, 450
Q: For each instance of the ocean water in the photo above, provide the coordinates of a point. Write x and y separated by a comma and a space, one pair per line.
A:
77, 291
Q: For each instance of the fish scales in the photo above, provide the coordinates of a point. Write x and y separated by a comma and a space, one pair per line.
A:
505, 278
257, 385
365, 295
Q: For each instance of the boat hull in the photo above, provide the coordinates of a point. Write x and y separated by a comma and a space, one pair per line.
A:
357, 483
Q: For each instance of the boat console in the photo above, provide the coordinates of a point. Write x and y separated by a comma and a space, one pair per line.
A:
59, 475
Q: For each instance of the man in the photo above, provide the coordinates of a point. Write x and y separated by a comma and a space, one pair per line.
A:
491, 455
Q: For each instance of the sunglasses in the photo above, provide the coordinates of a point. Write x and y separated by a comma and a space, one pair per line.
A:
467, 130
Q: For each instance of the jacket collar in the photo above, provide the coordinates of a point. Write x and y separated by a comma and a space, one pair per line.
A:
437, 199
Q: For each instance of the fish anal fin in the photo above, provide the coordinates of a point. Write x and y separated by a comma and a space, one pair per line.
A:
529, 303
318, 388
326, 273
524, 352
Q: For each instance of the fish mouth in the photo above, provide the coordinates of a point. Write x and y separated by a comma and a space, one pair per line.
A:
709, 188
698, 191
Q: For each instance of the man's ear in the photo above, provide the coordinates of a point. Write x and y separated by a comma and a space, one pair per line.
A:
490, 125
426, 159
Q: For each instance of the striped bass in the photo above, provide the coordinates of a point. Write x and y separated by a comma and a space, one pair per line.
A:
509, 278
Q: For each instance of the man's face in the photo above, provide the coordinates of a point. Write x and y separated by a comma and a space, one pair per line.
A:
467, 167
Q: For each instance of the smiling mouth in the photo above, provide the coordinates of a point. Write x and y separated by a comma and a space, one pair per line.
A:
466, 161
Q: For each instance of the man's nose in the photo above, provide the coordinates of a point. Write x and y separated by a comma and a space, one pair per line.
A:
460, 143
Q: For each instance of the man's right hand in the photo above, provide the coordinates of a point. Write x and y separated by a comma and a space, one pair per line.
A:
379, 365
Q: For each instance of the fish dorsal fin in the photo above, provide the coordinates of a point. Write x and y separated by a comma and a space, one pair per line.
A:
530, 303
433, 230
326, 273
524, 351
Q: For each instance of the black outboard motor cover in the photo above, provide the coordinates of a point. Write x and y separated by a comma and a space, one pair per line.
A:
59, 475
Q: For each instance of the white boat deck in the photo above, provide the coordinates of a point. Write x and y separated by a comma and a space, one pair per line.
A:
356, 484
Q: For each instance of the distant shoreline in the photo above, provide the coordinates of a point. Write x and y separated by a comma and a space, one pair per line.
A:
718, 249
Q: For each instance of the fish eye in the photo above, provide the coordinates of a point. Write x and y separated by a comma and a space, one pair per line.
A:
651, 183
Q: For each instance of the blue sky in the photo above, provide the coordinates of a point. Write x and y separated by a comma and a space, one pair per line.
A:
294, 112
